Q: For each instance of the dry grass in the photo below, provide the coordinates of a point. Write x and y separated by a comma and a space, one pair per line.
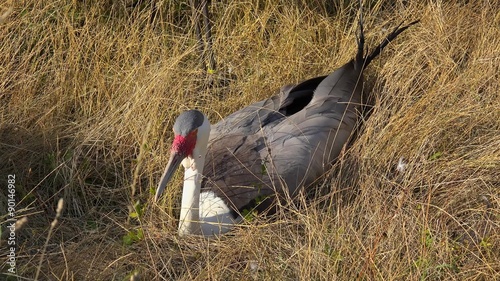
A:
89, 90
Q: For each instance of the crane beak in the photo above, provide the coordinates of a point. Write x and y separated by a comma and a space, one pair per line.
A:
172, 165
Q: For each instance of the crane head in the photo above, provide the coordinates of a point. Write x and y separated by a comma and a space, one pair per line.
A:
190, 130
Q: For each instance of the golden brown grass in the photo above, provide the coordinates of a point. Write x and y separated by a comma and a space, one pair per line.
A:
89, 91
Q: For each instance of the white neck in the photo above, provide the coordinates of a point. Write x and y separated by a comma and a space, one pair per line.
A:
190, 208
189, 222
202, 213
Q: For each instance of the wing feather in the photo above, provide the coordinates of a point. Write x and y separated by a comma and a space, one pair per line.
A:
277, 145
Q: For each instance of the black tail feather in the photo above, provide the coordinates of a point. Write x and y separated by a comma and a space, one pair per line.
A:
360, 56
398, 30
361, 40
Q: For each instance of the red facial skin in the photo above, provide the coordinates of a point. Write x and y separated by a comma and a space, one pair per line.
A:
185, 145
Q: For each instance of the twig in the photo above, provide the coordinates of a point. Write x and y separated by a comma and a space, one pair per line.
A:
52, 225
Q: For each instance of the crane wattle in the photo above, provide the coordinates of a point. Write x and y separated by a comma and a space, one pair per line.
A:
185, 144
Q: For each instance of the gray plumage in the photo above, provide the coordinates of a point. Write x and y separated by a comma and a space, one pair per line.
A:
278, 145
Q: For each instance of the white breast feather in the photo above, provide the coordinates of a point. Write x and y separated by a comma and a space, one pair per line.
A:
215, 215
